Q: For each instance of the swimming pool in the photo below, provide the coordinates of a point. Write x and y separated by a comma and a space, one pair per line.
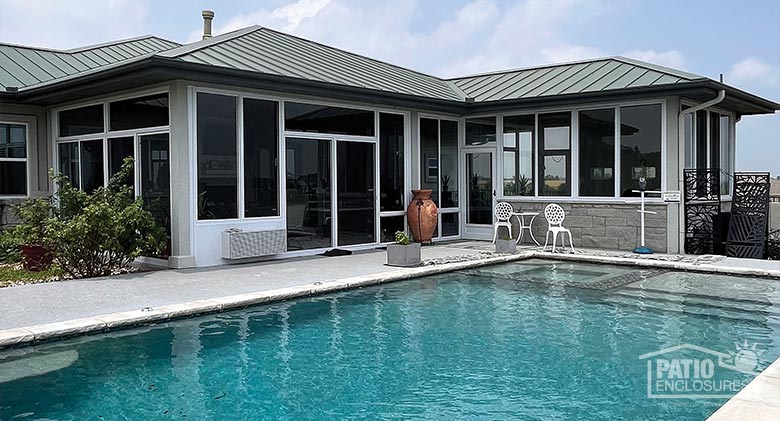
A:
532, 340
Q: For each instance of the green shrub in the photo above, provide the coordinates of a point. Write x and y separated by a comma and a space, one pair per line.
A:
9, 247
93, 234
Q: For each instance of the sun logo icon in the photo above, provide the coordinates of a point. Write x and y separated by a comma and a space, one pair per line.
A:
746, 357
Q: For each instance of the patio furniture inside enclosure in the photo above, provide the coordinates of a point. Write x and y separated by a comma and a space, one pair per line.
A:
555, 215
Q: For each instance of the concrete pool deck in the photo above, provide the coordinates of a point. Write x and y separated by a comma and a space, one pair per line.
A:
39, 312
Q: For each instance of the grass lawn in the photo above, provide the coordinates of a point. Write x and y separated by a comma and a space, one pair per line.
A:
16, 275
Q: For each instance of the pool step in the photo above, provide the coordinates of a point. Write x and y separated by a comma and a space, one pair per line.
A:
740, 310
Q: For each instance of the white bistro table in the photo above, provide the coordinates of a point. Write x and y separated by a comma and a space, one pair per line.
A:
523, 226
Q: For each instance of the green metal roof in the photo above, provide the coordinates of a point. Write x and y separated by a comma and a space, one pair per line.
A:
278, 59
24, 67
590, 76
267, 51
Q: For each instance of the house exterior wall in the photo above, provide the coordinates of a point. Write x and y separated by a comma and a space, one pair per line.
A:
39, 158
614, 226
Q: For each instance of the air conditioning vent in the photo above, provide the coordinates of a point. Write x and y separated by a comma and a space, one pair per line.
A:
237, 244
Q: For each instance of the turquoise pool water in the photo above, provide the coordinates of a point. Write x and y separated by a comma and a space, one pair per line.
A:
454, 346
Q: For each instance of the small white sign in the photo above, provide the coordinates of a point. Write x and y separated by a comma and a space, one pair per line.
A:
671, 196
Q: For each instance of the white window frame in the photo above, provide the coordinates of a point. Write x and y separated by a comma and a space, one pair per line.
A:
26, 160
575, 140
732, 142
461, 122
106, 134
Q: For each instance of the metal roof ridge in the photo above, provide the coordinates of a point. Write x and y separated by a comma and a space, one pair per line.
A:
659, 68
116, 42
30, 47
208, 42
456, 90
536, 67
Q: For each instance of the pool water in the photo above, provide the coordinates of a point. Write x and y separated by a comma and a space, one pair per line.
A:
452, 346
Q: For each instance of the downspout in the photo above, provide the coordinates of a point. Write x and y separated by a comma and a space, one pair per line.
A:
681, 160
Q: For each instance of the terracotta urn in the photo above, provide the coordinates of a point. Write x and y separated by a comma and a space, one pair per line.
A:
422, 215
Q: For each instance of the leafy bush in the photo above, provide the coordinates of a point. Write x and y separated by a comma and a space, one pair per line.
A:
401, 238
9, 247
92, 234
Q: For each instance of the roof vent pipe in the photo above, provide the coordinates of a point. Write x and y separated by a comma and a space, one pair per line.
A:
208, 16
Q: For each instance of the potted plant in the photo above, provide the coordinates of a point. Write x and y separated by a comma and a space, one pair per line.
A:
505, 245
31, 233
403, 253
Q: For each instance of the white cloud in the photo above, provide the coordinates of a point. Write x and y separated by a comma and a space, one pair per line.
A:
753, 71
60, 24
672, 58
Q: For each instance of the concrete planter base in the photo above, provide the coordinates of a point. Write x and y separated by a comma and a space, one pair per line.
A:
506, 246
404, 255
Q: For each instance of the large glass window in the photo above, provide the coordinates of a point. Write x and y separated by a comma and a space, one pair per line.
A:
69, 161
91, 165
480, 131
134, 113
261, 158
701, 139
84, 120
429, 156
355, 193
119, 149
449, 164
391, 162
324, 119
555, 154
217, 157
13, 159
518, 154
640, 147
597, 152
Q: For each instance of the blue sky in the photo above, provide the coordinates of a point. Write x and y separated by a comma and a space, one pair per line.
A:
741, 39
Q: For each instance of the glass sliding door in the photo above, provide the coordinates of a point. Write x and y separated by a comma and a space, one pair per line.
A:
479, 168
309, 210
355, 193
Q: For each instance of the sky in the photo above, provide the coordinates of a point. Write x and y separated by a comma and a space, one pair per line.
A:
739, 39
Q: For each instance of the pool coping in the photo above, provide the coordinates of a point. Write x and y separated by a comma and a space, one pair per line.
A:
759, 400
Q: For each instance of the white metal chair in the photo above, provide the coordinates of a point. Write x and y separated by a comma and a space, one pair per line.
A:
502, 212
555, 215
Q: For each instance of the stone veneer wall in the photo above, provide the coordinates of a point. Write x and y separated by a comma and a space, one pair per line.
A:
602, 225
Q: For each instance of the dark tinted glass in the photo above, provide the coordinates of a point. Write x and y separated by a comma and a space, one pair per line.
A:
134, 113
91, 165
391, 162
449, 224
449, 164
597, 152
13, 141
309, 212
388, 227
84, 120
261, 158
13, 178
715, 141
701, 139
69, 161
480, 131
518, 155
640, 147
217, 157
118, 149
322, 119
355, 192
555, 154
429, 156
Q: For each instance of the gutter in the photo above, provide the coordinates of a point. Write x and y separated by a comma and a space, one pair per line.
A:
681, 156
